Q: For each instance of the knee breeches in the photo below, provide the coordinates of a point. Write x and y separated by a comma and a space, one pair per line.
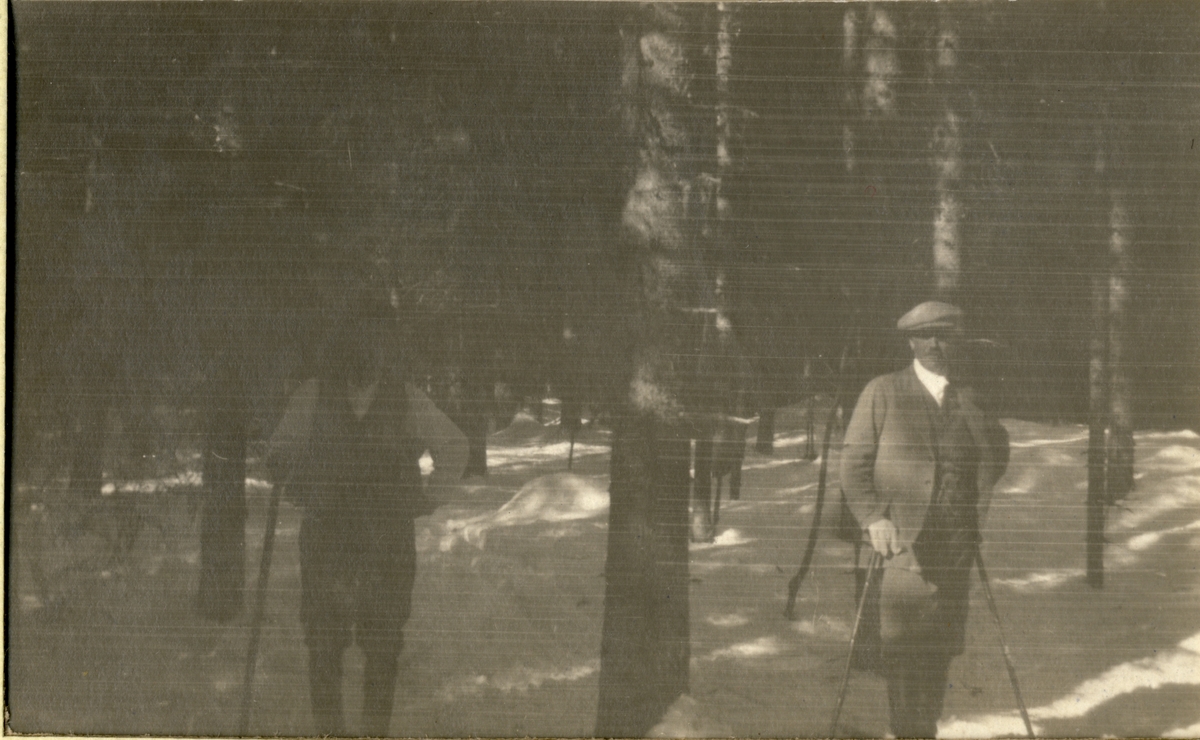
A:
356, 582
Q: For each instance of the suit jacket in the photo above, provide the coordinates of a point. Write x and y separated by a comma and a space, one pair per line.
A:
889, 457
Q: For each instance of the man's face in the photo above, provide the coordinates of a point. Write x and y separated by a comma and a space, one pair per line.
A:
934, 349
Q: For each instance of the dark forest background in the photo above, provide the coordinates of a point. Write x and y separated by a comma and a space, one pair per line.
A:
197, 181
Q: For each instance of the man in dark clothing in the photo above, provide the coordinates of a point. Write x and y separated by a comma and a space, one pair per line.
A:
361, 487
918, 465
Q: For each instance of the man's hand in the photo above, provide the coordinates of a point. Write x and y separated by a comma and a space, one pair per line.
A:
885, 538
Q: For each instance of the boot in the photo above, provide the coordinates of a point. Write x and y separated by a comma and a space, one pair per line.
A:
379, 691
325, 687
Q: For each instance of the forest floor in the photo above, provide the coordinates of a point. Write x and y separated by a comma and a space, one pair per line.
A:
505, 633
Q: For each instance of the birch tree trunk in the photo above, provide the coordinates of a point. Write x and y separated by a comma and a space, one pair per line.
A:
1119, 454
1097, 423
947, 162
644, 649
876, 166
717, 345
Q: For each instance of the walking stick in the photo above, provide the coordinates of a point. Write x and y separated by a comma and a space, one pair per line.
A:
1012, 672
872, 567
716, 512
264, 572
571, 450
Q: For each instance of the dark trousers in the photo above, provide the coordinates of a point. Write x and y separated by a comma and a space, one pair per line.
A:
356, 576
921, 625
916, 681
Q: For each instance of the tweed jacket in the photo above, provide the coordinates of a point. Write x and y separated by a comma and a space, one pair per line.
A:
889, 457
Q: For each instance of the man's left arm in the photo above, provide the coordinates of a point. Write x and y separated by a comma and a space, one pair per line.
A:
993, 462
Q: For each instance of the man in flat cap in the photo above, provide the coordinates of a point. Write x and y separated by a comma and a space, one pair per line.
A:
918, 465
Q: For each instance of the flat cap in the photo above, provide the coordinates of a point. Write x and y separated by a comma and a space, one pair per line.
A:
931, 315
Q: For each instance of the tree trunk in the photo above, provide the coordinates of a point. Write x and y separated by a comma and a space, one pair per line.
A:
223, 520
1098, 383
1119, 476
765, 442
644, 648
881, 174
87, 449
471, 414
947, 162
475, 422
645, 644
1098, 405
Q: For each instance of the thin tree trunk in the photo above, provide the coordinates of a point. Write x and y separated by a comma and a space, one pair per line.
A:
1097, 423
1119, 477
1098, 405
717, 348
87, 449
472, 406
645, 643
223, 520
850, 102
475, 423
947, 163
765, 442
882, 176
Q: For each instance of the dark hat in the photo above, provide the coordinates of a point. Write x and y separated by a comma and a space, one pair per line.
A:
931, 315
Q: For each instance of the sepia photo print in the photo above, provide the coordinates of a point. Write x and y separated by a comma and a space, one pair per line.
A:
603, 369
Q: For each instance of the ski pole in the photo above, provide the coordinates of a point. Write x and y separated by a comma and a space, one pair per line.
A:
1012, 672
872, 567
264, 573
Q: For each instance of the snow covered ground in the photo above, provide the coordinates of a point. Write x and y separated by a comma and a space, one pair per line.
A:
504, 638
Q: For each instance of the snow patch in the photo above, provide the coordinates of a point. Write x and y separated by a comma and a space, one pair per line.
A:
527, 456
796, 489
728, 538
759, 648
1149, 539
1176, 458
1046, 442
823, 625
1041, 580
687, 717
1189, 731
155, 485
558, 497
727, 620
1180, 434
790, 440
559, 533
1176, 493
767, 464
520, 679
1178, 666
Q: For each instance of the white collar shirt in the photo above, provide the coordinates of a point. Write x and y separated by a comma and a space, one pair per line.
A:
934, 383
